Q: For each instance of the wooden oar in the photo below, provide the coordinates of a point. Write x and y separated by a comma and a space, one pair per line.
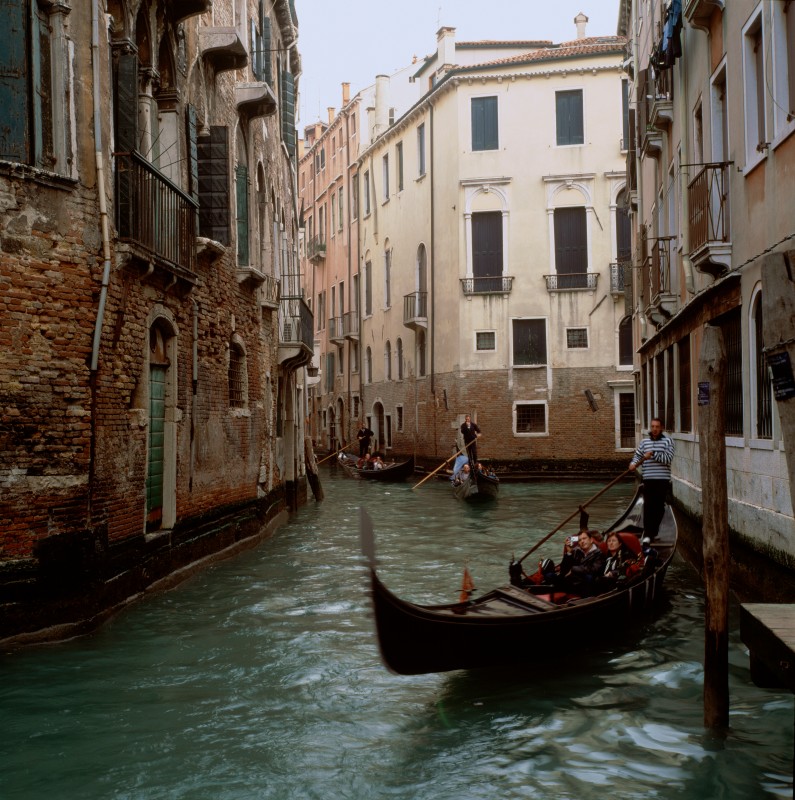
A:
571, 516
337, 453
455, 455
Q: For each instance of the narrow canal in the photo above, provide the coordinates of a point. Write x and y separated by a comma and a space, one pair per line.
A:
260, 678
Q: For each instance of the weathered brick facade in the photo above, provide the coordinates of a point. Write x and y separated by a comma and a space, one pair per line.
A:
106, 486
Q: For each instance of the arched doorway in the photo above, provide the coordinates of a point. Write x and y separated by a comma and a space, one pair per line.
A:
341, 431
378, 427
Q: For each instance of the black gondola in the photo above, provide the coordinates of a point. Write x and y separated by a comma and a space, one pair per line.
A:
477, 487
390, 472
512, 624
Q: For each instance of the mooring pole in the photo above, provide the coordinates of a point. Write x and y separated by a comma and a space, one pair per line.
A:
715, 526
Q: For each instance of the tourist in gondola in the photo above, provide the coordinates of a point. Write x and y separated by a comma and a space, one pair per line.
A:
581, 565
462, 476
654, 456
364, 435
471, 433
621, 563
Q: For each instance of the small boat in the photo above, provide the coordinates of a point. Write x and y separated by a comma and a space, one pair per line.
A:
391, 471
514, 624
477, 487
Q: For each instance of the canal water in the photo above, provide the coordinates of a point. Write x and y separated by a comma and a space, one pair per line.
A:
260, 678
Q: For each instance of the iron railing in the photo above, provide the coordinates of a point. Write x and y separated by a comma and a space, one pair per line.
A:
153, 213
660, 275
316, 248
567, 281
415, 306
708, 197
493, 284
617, 276
296, 323
335, 330
269, 290
350, 323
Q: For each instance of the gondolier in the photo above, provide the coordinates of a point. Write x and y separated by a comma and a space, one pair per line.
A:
364, 434
654, 456
471, 434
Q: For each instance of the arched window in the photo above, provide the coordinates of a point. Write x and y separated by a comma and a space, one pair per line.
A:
238, 381
625, 349
763, 395
399, 359
388, 361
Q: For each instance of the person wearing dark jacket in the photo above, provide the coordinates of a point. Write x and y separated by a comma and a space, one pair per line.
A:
364, 434
582, 565
471, 434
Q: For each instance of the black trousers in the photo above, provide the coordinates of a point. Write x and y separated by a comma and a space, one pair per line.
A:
364, 445
654, 494
472, 452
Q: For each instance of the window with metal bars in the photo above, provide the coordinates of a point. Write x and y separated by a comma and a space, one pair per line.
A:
531, 418
733, 396
670, 408
626, 419
577, 338
237, 365
685, 386
764, 387
659, 387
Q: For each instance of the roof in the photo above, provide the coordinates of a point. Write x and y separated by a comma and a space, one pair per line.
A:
574, 49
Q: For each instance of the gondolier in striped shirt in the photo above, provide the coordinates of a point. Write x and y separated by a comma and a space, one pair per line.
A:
654, 455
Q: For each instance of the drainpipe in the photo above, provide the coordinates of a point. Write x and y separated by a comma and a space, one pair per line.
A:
103, 204
684, 174
433, 265
195, 387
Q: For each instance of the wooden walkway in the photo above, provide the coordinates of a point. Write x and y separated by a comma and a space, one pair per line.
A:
768, 629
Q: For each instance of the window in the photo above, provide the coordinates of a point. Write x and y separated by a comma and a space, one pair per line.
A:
754, 78
733, 390
399, 364
333, 213
388, 361
368, 365
36, 90
421, 353
659, 386
241, 196
385, 175
569, 117
329, 372
399, 165
368, 288
529, 342
625, 141
763, 394
355, 406
237, 376
355, 198
485, 340
484, 123
625, 348
354, 356
685, 383
571, 248
261, 46
530, 418
366, 191
487, 255
626, 420
783, 54
399, 421
421, 150
339, 209
213, 183
670, 408
387, 431
576, 338
388, 278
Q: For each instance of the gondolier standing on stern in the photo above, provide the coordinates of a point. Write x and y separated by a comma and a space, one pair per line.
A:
471, 434
654, 455
364, 434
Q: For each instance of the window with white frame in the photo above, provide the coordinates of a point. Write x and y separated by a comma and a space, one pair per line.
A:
577, 338
399, 165
484, 123
388, 361
340, 216
399, 420
385, 175
485, 340
530, 418
399, 360
783, 54
368, 366
388, 276
529, 342
421, 150
388, 431
570, 128
366, 192
754, 78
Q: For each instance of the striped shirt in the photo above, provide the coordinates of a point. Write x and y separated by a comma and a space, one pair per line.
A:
658, 467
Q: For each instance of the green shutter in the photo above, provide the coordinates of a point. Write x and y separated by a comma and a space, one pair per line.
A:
193, 152
287, 95
126, 99
265, 44
241, 197
478, 124
213, 169
568, 107
484, 123
14, 92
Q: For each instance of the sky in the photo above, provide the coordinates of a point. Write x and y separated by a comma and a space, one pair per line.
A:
356, 40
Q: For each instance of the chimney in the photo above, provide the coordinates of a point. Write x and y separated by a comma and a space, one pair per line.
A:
381, 104
445, 48
346, 94
330, 114
580, 20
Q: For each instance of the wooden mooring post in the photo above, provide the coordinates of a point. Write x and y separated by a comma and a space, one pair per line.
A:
715, 526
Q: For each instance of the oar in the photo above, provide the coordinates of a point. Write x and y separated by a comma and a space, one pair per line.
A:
571, 516
335, 454
455, 455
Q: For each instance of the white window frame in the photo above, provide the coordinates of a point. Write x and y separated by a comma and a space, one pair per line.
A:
624, 388
546, 364
530, 434
753, 155
781, 54
483, 349
385, 176
578, 328
401, 417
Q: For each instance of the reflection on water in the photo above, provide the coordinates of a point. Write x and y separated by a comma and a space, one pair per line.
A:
260, 678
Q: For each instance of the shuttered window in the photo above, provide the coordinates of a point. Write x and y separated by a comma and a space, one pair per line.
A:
487, 247
261, 46
213, 171
241, 204
569, 117
529, 342
287, 96
484, 123
571, 249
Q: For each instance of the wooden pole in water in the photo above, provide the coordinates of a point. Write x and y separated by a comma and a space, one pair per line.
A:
715, 527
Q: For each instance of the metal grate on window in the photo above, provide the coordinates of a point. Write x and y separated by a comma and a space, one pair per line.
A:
626, 414
236, 364
576, 338
485, 340
764, 387
733, 340
531, 418
670, 408
685, 402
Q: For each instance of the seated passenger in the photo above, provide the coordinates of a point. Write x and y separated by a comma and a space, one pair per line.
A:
624, 560
458, 465
378, 463
581, 566
462, 476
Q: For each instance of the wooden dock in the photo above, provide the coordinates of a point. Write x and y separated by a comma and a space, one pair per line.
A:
768, 629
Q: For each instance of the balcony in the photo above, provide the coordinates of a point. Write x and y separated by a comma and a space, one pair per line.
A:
710, 239
415, 310
316, 248
222, 48
336, 333
350, 325
269, 292
618, 275
699, 12
662, 302
180, 10
255, 99
661, 107
296, 340
494, 284
572, 281
650, 137
158, 221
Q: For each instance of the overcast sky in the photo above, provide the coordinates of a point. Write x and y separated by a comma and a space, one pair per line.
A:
356, 40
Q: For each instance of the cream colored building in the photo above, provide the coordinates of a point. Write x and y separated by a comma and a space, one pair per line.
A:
491, 226
710, 178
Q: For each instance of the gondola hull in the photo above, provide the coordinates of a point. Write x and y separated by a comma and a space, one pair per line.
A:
510, 625
477, 488
391, 473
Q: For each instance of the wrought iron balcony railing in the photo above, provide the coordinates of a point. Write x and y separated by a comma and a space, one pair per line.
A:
316, 248
564, 282
493, 284
350, 325
335, 329
415, 306
660, 268
153, 213
708, 198
269, 291
296, 323
617, 276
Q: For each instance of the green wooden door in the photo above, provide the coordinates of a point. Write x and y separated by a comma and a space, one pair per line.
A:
154, 473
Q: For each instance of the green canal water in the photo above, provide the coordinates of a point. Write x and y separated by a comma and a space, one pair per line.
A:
260, 678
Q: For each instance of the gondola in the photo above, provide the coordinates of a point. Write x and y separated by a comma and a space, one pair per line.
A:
391, 471
477, 488
513, 624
